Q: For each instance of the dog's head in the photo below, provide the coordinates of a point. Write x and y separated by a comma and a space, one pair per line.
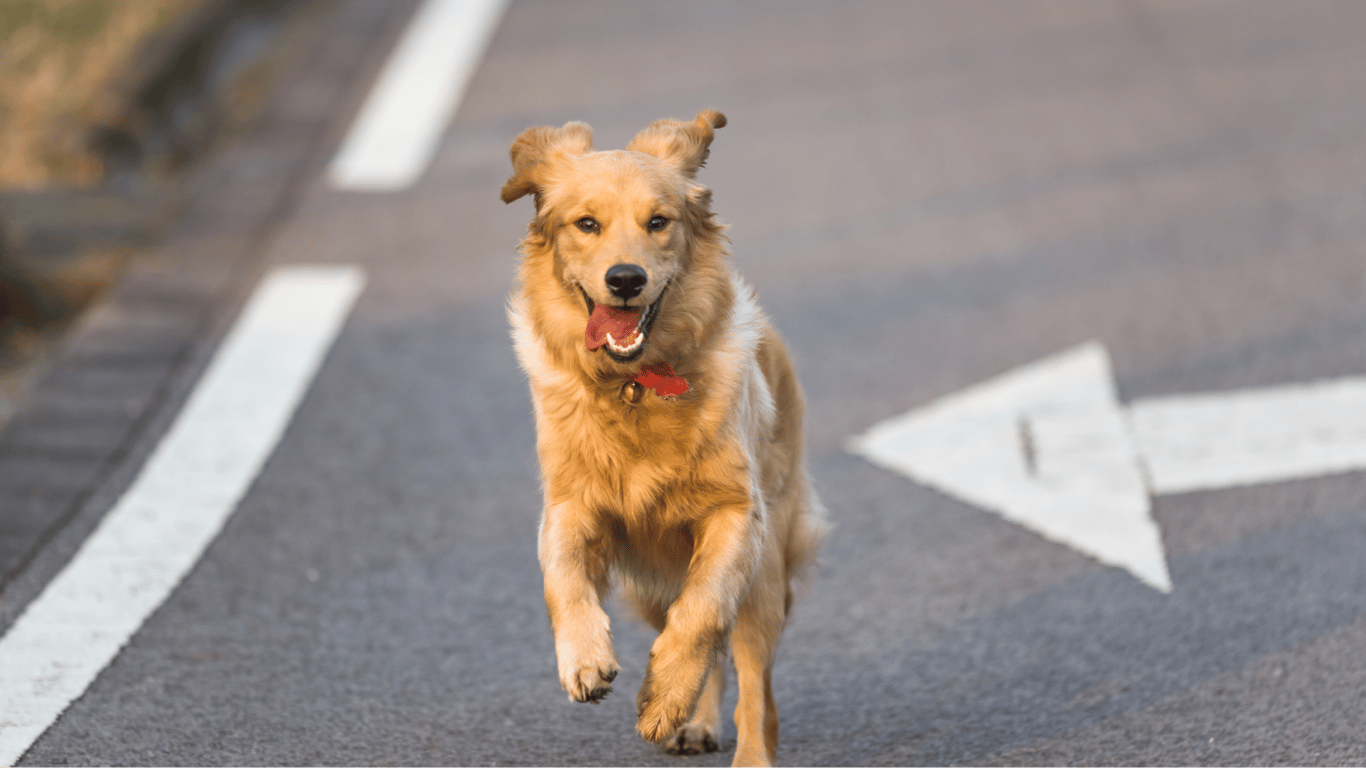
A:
618, 229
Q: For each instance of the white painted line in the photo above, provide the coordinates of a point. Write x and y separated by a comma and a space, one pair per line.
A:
1200, 442
394, 137
178, 503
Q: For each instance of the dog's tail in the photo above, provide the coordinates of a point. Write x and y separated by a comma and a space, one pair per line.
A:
804, 539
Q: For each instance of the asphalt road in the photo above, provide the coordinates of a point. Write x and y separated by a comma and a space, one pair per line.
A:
925, 196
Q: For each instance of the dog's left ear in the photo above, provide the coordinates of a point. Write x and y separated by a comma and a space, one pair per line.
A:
533, 150
685, 146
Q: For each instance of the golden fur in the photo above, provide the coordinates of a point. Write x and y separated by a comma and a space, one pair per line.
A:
700, 505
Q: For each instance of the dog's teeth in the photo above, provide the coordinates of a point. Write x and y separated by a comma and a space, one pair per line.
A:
627, 349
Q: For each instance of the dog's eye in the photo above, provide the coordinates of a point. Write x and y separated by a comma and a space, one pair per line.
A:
657, 223
587, 224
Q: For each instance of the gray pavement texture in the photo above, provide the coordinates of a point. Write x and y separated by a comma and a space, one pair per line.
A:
925, 195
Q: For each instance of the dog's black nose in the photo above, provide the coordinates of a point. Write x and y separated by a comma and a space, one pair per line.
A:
626, 280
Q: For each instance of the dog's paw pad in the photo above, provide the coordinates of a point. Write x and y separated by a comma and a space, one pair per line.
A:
691, 740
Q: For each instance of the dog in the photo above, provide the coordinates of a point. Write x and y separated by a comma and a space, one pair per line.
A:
669, 431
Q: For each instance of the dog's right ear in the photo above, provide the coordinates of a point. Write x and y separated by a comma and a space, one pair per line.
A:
532, 151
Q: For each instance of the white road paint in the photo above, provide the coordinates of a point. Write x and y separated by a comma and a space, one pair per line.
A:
1044, 447
185, 492
1049, 447
1201, 442
394, 137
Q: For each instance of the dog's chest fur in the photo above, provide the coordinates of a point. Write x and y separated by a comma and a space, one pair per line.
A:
623, 459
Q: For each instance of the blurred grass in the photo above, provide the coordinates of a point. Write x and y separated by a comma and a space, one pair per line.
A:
55, 58
34, 306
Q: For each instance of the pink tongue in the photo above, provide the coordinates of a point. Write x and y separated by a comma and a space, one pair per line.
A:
621, 323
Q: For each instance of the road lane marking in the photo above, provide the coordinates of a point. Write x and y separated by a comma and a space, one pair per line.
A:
394, 137
179, 501
1049, 447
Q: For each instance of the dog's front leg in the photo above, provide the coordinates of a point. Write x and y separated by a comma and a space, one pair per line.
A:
574, 562
699, 621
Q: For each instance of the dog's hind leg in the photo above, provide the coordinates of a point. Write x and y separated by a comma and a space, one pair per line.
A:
703, 731
754, 642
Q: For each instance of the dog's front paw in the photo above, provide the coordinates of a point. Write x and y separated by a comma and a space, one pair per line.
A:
590, 683
659, 714
588, 675
662, 710
674, 678
691, 739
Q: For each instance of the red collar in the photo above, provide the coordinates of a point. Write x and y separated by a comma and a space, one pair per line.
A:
661, 378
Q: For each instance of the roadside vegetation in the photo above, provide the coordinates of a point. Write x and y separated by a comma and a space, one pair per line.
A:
56, 58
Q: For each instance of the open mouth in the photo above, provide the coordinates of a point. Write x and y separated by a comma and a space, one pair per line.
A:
620, 331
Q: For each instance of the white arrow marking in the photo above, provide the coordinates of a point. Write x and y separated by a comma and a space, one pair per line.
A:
1049, 447
1043, 446
1201, 442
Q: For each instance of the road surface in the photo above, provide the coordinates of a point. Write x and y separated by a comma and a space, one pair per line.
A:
927, 197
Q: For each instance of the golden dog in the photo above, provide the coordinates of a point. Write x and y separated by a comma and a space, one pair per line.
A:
669, 430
